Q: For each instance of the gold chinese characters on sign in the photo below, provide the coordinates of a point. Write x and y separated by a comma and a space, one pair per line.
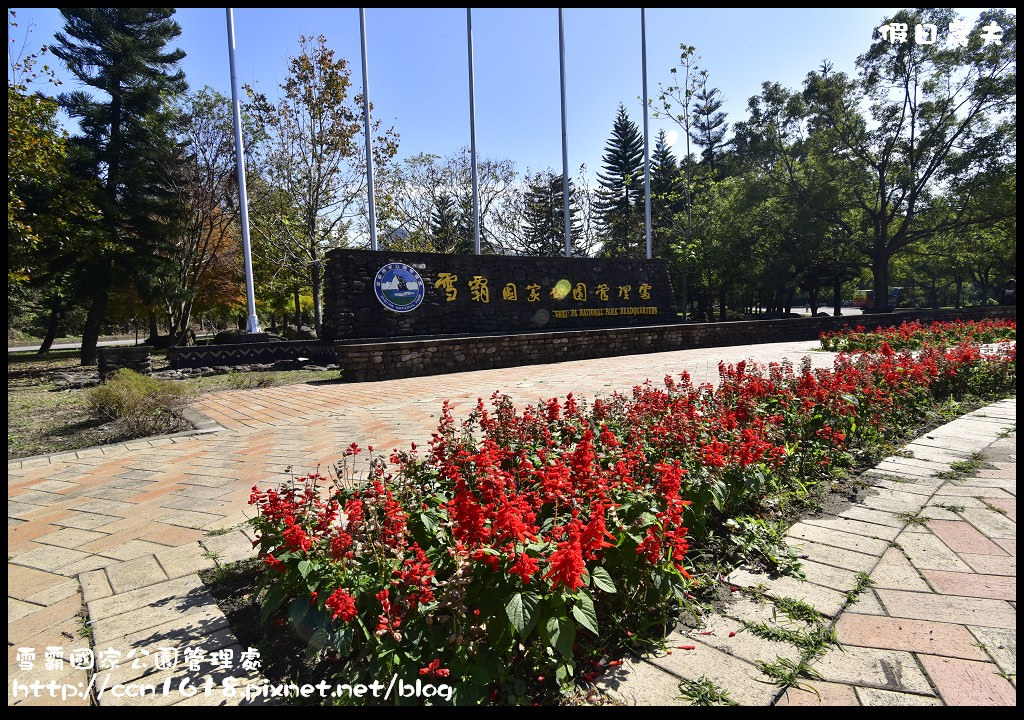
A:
479, 291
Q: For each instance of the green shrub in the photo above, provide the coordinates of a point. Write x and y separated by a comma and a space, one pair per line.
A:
142, 405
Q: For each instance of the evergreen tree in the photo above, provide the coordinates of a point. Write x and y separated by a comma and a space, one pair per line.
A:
620, 198
666, 196
709, 125
445, 230
121, 52
544, 217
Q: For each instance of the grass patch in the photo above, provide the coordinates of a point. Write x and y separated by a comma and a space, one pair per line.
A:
964, 469
912, 518
864, 581
958, 509
704, 692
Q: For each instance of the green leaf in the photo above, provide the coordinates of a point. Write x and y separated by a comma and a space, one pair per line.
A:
562, 634
316, 644
272, 601
522, 612
429, 522
603, 580
304, 567
585, 614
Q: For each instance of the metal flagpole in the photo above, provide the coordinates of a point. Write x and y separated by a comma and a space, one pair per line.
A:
252, 324
565, 137
366, 132
647, 162
472, 134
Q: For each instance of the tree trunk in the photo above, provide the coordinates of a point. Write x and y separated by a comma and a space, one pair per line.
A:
959, 293
813, 300
154, 330
317, 310
183, 336
880, 270
837, 296
721, 305
684, 293
51, 328
298, 310
93, 321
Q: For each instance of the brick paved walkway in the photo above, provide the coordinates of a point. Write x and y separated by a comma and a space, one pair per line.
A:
125, 528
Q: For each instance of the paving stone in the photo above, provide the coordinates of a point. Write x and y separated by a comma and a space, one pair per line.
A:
135, 574
999, 587
107, 507
641, 683
962, 537
112, 493
95, 585
823, 694
92, 562
87, 521
123, 602
895, 571
230, 548
745, 684
70, 538
991, 523
866, 604
744, 644
49, 557
185, 560
878, 517
952, 490
837, 557
855, 527
948, 608
17, 609
893, 505
195, 504
876, 697
42, 620
132, 549
829, 576
203, 629
886, 669
188, 518
822, 599
55, 593
928, 552
1000, 644
934, 638
991, 565
965, 682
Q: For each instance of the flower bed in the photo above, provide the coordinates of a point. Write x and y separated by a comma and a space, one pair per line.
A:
517, 552
915, 335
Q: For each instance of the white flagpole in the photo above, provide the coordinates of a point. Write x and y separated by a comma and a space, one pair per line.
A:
565, 137
647, 162
472, 134
252, 323
366, 132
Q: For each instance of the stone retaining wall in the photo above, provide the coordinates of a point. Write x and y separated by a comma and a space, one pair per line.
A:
249, 353
133, 357
383, 360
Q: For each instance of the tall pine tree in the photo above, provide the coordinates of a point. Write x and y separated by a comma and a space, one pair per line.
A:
666, 196
544, 217
445, 231
620, 197
709, 125
122, 53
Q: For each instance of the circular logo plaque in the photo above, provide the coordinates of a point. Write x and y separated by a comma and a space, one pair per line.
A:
399, 287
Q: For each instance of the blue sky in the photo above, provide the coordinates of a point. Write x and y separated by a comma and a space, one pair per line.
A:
418, 64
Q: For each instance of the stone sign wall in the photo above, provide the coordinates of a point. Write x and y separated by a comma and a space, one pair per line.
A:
393, 294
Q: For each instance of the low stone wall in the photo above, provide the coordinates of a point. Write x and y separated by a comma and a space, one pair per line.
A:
317, 351
113, 358
383, 360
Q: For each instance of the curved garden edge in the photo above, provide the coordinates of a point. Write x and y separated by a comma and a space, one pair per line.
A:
733, 656
201, 425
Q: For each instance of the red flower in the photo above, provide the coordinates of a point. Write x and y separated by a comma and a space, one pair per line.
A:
525, 567
434, 669
566, 563
342, 604
274, 562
